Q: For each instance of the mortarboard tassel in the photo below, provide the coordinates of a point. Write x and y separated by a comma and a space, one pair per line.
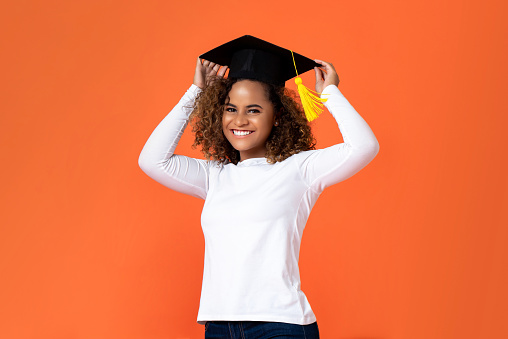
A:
312, 104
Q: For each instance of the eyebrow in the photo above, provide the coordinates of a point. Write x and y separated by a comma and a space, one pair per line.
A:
247, 105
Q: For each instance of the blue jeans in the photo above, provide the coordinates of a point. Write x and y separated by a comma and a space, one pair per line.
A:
259, 330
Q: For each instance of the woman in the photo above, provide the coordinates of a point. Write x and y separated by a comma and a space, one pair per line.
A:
260, 179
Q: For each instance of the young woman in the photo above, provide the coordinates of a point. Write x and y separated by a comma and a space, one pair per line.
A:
260, 179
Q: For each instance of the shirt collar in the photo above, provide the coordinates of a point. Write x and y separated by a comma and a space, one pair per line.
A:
252, 161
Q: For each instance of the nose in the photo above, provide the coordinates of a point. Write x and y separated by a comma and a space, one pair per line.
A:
241, 119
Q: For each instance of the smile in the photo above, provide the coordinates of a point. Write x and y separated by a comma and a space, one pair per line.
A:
241, 133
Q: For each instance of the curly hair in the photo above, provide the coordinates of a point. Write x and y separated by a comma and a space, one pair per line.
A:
291, 136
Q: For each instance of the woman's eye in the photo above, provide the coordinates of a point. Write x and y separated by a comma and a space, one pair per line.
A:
232, 110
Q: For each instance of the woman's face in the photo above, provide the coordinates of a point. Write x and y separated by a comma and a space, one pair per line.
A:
250, 114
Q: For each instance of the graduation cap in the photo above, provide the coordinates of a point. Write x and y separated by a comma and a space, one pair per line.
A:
249, 57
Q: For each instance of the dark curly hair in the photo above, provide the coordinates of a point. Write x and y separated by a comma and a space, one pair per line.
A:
291, 136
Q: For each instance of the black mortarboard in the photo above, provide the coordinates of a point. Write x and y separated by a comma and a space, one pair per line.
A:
249, 57
252, 58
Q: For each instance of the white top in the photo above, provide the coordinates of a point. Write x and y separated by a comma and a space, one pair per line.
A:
255, 212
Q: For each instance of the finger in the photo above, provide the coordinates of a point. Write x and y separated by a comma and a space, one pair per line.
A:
206, 63
322, 65
321, 62
332, 68
222, 71
323, 73
216, 68
319, 75
326, 65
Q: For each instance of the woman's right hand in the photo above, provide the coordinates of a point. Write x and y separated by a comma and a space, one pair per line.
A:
205, 70
325, 77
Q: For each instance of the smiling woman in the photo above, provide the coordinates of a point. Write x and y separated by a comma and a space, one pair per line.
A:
270, 111
260, 180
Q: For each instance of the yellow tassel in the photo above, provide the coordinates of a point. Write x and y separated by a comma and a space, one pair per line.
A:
312, 104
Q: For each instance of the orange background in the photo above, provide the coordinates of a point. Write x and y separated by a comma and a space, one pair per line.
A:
413, 246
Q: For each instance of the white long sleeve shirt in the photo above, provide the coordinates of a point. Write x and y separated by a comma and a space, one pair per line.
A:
255, 212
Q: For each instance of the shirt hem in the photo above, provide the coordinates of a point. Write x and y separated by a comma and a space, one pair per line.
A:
202, 319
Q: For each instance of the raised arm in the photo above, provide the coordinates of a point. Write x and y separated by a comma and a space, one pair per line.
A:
157, 159
325, 167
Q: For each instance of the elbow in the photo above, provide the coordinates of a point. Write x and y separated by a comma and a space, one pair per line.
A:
144, 163
371, 146
368, 150
141, 163
374, 148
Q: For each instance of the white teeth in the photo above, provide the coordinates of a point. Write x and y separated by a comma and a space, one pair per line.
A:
241, 132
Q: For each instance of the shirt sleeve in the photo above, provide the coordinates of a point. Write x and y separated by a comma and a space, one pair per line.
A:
325, 167
157, 159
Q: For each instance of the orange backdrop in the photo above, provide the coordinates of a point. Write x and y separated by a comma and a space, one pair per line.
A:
413, 246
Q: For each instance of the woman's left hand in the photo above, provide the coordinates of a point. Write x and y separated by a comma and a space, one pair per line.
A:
205, 70
325, 77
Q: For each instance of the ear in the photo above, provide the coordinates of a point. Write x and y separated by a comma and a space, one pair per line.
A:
276, 116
